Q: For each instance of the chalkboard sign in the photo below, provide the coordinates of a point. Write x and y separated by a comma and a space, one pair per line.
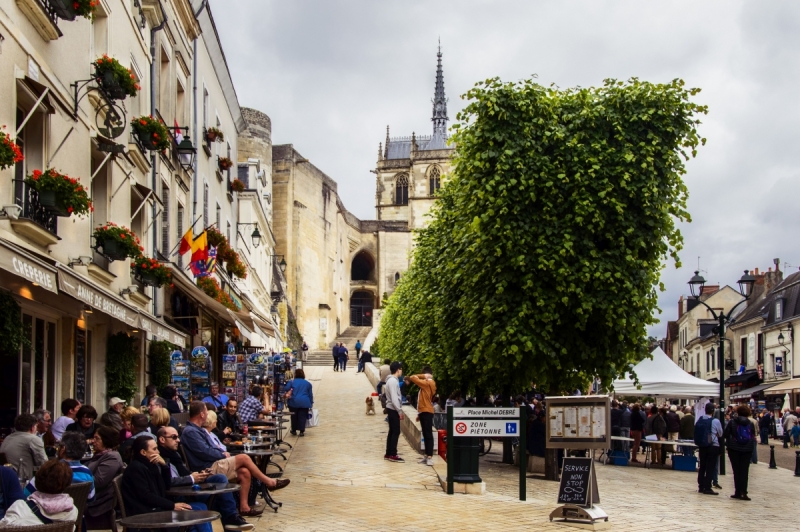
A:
578, 483
80, 364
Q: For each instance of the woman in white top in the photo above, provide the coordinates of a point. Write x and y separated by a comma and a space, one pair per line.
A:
210, 425
49, 502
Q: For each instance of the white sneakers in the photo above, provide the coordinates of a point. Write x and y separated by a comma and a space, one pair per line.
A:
426, 461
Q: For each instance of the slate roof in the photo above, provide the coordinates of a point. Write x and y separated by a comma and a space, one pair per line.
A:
788, 290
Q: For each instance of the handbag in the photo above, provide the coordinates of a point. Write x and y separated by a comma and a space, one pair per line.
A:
313, 418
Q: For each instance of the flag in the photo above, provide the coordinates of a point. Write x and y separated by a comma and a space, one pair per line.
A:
204, 268
200, 248
178, 134
186, 242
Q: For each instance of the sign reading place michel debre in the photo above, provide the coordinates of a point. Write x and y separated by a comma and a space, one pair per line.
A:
505, 424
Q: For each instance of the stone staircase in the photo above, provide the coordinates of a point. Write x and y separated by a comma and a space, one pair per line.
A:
349, 336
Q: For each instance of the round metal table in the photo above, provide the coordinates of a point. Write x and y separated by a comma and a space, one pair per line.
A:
180, 520
215, 489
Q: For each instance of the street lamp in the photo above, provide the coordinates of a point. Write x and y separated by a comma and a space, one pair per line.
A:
186, 152
255, 236
281, 264
696, 284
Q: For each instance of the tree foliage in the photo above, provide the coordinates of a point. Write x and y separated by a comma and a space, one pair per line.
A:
543, 255
160, 363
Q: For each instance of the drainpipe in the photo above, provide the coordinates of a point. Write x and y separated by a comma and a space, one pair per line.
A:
195, 133
153, 32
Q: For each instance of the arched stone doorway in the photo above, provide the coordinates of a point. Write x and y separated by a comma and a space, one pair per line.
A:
363, 267
362, 304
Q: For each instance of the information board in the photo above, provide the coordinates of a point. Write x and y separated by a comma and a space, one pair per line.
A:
578, 482
579, 422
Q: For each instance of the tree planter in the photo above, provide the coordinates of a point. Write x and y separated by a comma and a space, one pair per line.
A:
146, 143
110, 85
49, 202
112, 250
64, 9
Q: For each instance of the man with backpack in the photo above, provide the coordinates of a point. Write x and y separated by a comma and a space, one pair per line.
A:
740, 438
707, 435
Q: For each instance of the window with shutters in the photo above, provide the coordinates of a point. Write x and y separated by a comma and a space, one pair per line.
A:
165, 221
179, 231
218, 220
205, 205
228, 233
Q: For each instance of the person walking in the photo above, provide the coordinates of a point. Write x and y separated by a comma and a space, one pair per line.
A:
343, 356
764, 425
394, 409
637, 426
300, 400
660, 430
707, 434
740, 438
304, 350
625, 425
789, 421
427, 389
335, 356
358, 348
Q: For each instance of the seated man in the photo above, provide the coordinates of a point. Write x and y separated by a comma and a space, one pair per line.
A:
228, 421
219, 400
202, 454
168, 441
139, 429
145, 482
73, 448
252, 407
23, 449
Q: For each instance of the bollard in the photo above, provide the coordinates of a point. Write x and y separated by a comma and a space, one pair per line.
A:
797, 464
772, 464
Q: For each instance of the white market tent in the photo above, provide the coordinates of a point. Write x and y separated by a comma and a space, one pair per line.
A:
661, 377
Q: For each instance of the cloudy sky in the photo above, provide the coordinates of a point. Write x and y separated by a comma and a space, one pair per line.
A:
333, 74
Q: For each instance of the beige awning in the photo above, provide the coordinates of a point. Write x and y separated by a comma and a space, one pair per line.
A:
19, 262
204, 300
787, 386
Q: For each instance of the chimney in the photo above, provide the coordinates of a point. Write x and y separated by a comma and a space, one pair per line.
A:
777, 264
756, 271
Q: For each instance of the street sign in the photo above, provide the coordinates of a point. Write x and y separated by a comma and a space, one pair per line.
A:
487, 427
461, 413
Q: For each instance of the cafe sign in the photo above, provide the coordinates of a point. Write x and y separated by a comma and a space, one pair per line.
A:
97, 299
28, 268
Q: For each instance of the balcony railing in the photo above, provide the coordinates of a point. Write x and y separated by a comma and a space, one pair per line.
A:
28, 199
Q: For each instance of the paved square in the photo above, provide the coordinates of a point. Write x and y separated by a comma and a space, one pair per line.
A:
341, 482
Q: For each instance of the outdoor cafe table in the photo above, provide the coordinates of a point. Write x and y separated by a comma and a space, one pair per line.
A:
676, 443
218, 487
605, 451
180, 520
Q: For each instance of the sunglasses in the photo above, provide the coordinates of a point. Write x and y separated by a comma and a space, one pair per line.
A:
173, 437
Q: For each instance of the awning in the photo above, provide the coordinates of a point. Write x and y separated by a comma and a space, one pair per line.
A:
95, 296
265, 327
204, 300
735, 380
745, 394
788, 386
239, 318
19, 262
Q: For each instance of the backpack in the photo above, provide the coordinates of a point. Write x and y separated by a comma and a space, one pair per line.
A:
702, 432
742, 434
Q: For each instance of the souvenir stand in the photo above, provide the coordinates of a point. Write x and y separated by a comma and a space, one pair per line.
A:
200, 371
180, 375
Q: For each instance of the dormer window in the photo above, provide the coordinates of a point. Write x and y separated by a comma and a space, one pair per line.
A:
779, 310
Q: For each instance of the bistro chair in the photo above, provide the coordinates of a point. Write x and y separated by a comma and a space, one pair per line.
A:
56, 526
80, 495
118, 490
181, 419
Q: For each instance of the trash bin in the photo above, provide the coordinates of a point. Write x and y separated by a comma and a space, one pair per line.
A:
442, 444
464, 453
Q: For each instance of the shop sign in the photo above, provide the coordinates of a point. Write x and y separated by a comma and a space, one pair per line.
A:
97, 299
236, 301
28, 269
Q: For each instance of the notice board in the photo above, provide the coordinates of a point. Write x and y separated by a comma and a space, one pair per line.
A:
578, 482
578, 422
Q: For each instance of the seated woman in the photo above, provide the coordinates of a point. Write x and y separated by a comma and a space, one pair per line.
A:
127, 415
210, 425
144, 484
85, 422
159, 418
104, 465
49, 502
10, 490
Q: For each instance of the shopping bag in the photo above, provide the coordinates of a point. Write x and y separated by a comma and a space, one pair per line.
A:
313, 418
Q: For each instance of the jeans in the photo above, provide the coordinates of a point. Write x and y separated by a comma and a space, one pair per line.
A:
203, 527
299, 419
625, 432
764, 436
360, 367
754, 454
335, 363
394, 432
740, 464
708, 463
426, 421
224, 503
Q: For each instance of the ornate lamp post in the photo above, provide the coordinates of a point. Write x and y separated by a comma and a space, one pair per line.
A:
696, 284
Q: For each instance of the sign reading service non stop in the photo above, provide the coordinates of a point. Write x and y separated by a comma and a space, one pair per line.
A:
486, 427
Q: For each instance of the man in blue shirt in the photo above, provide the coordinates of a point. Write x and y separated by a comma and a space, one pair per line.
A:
219, 400
709, 455
202, 454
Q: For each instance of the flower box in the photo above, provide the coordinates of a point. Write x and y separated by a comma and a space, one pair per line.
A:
214, 135
150, 272
116, 81
10, 153
151, 133
59, 194
117, 243
225, 163
237, 185
69, 9
112, 250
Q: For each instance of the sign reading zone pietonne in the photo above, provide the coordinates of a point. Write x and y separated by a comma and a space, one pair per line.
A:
486, 427
461, 413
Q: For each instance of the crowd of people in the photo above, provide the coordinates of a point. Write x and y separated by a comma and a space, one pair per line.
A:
148, 448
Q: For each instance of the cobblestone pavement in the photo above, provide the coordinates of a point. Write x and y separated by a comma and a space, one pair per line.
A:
341, 482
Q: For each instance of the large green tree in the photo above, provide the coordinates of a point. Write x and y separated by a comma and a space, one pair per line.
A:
542, 259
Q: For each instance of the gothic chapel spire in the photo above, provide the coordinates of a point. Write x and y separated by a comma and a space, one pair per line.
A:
439, 105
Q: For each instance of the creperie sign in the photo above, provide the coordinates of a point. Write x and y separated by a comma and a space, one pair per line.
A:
34, 274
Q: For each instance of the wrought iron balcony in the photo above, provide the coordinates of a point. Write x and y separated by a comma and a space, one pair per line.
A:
43, 14
27, 198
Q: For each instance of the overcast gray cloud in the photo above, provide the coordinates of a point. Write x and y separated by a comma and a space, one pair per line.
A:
333, 74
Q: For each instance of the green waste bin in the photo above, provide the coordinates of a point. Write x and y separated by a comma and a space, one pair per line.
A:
464, 453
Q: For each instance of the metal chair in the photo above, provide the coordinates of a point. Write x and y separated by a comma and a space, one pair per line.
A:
118, 490
181, 419
80, 494
58, 526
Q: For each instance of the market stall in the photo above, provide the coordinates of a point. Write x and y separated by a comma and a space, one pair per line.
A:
661, 377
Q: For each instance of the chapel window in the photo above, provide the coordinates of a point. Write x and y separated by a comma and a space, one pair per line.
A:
401, 190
